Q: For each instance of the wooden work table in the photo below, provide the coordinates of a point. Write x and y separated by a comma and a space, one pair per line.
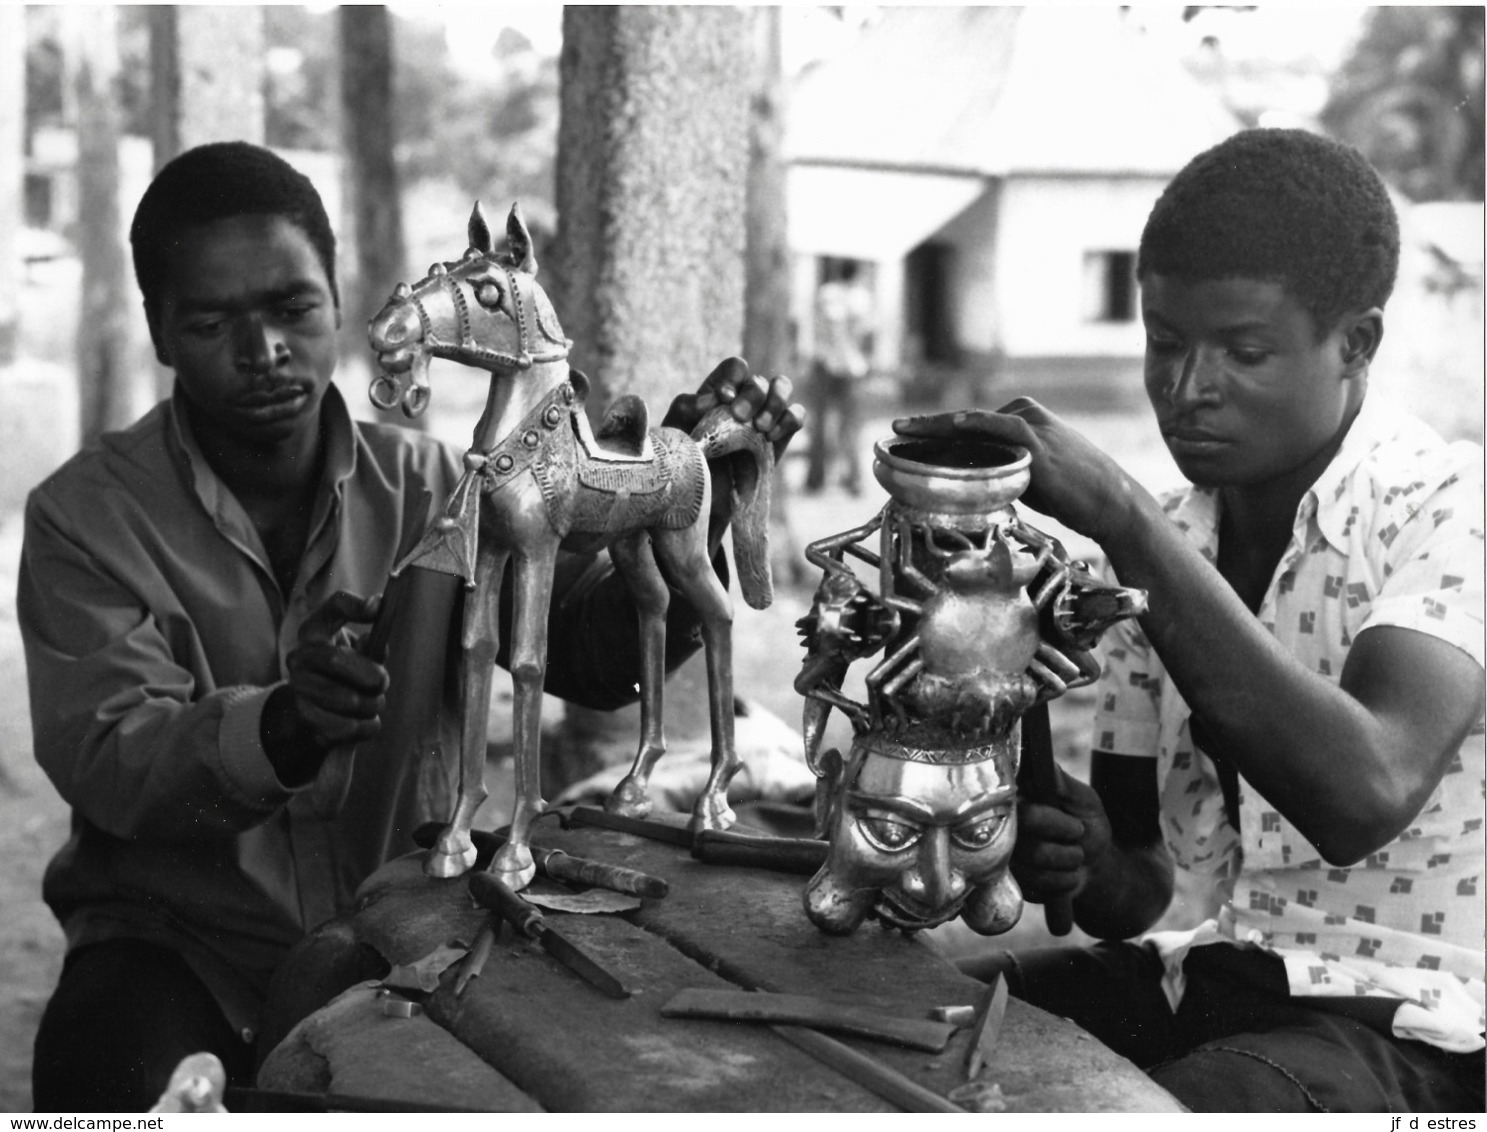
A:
528, 1034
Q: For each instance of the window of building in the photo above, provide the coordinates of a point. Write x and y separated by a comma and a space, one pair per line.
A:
1110, 286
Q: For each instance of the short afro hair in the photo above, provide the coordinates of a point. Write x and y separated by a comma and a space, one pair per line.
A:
215, 182
1286, 206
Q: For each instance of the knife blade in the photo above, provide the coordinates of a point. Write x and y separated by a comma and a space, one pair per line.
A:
987, 1026
490, 893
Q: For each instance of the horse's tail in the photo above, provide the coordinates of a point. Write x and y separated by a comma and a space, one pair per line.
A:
750, 458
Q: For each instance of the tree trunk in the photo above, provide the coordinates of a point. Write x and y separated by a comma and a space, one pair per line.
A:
206, 85
105, 384
206, 76
12, 170
374, 209
652, 168
768, 339
648, 272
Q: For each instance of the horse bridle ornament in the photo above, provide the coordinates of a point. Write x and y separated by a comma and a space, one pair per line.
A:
411, 390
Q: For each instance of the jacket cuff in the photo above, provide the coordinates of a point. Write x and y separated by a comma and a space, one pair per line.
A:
245, 769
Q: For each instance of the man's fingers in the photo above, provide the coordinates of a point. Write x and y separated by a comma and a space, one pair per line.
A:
932, 425
723, 383
339, 610
337, 699
1004, 426
334, 730
790, 421
775, 406
341, 667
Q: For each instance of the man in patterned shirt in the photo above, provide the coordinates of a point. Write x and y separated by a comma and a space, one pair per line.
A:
1295, 728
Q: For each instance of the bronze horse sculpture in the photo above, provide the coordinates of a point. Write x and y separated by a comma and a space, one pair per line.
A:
538, 477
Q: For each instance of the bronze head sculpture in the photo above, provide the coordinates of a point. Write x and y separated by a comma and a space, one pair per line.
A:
979, 617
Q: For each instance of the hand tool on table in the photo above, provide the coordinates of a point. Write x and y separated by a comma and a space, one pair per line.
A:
987, 1027
1037, 778
333, 780
395, 1005
556, 864
715, 847
526, 918
781, 854
640, 827
867, 1071
474, 962
804, 1010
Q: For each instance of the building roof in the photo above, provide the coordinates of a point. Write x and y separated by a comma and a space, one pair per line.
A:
998, 91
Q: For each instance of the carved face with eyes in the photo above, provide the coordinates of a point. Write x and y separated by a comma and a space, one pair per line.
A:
916, 842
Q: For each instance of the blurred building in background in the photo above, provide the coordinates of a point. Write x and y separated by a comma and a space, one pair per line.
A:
992, 169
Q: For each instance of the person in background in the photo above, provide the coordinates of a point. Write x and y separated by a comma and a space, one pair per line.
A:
185, 595
843, 336
1296, 724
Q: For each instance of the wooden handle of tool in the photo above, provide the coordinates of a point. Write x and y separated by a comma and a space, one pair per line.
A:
556, 864
333, 779
580, 870
781, 854
490, 893
1037, 776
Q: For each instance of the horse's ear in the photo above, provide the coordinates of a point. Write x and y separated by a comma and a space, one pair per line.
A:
480, 231
520, 239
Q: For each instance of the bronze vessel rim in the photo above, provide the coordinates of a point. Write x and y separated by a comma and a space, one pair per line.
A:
1019, 462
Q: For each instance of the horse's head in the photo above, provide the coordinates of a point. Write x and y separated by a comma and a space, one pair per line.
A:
484, 310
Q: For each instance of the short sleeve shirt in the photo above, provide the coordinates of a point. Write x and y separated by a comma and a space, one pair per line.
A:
1390, 534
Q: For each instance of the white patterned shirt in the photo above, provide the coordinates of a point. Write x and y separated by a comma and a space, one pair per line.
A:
1390, 534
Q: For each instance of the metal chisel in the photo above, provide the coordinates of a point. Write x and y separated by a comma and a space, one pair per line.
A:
491, 893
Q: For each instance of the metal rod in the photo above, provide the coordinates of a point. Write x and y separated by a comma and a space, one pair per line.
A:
868, 1072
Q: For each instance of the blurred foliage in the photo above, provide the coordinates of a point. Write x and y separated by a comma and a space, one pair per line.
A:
492, 135
1411, 98
47, 98
300, 85
495, 137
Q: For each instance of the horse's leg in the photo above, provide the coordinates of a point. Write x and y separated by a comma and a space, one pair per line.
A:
454, 853
685, 553
535, 555
635, 561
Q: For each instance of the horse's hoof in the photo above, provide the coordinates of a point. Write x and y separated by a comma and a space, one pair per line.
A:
629, 799
514, 867
709, 814
451, 856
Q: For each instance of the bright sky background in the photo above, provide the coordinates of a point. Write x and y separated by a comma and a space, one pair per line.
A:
1284, 30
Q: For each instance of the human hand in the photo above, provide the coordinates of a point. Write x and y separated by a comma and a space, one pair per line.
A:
753, 398
334, 694
1073, 481
1060, 841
